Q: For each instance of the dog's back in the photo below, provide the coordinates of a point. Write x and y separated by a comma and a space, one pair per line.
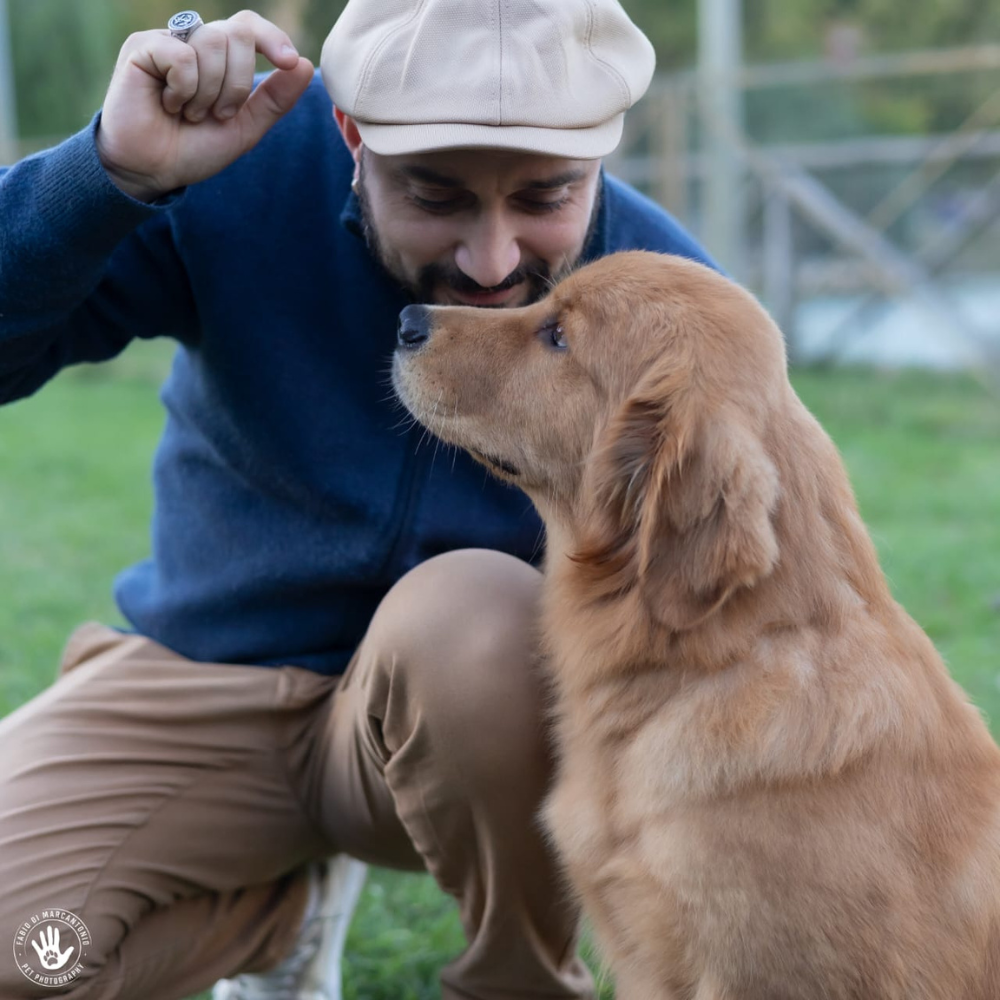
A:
771, 788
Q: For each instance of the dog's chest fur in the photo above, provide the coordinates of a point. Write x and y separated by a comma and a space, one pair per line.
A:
687, 813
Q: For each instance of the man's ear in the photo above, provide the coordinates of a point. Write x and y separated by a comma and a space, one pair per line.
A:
682, 507
352, 137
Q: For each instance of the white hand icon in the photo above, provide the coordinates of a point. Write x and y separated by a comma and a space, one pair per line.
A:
48, 951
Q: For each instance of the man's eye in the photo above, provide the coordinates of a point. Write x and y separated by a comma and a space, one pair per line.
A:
541, 207
438, 206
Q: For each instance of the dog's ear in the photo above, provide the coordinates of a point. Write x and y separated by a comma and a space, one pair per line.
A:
682, 506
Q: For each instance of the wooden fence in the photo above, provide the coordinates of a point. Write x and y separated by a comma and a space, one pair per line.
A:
789, 205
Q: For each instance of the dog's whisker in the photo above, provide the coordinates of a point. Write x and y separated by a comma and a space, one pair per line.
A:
405, 422
536, 549
437, 440
427, 431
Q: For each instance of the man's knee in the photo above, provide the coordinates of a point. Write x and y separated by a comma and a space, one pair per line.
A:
460, 635
470, 606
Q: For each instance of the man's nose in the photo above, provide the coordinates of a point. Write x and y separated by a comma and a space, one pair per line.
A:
489, 254
414, 326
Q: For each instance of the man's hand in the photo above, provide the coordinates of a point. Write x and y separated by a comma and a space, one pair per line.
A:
178, 112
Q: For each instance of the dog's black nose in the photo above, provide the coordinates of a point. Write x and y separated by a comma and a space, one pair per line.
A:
414, 326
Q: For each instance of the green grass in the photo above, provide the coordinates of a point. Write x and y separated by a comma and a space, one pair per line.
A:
923, 452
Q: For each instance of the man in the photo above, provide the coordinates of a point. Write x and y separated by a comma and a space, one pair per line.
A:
176, 792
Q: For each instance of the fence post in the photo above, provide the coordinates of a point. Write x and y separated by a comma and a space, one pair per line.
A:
670, 148
720, 62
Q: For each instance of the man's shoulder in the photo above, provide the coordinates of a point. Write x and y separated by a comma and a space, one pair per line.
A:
636, 222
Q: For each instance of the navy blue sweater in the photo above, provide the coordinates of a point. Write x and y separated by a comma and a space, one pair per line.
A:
289, 494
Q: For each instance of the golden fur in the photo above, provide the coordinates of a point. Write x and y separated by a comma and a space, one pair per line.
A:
769, 787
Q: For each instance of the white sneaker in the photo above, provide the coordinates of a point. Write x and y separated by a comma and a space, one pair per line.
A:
312, 970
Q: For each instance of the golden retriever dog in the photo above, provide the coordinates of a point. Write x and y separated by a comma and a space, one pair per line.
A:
769, 788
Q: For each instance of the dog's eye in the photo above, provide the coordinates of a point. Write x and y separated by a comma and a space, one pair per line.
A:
552, 335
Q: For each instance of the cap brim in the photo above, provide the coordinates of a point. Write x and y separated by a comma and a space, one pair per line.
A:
574, 143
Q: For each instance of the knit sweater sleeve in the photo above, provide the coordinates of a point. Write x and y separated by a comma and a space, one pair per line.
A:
84, 268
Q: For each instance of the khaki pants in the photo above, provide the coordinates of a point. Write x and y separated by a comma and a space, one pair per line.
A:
171, 804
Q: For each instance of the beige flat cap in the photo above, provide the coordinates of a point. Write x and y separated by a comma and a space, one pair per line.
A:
542, 76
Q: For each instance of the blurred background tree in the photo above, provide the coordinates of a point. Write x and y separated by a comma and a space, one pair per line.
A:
64, 52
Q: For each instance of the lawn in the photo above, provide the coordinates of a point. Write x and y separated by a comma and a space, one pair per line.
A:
923, 452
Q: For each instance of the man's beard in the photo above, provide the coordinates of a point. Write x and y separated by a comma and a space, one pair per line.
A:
535, 275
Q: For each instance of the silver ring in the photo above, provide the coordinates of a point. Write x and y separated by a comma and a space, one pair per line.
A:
184, 24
